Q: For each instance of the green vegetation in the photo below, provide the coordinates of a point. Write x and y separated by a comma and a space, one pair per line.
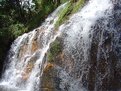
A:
64, 14
43, 9
15, 30
78, 5
71, 7
54, 50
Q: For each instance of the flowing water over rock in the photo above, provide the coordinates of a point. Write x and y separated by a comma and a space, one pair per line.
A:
91, 50
78, 36
90, 57
26, 57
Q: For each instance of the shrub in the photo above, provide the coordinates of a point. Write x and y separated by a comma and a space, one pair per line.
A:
17, 29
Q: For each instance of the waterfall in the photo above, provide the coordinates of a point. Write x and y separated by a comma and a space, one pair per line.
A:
79, 27
27, 56
91, 43
78, 36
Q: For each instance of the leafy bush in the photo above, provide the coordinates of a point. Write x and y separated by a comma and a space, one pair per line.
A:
42, 10
17, 29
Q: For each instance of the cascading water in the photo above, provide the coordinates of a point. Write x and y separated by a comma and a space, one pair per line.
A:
78, 36
79, 26
90, 42
26, 57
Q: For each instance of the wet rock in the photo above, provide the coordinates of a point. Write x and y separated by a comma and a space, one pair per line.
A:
50, 80
102, 70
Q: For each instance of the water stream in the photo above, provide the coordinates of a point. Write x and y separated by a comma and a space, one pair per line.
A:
27, 55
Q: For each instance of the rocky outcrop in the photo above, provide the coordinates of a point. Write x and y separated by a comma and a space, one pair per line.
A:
50, 78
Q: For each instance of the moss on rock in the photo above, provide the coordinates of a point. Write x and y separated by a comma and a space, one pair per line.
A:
71, 7
55, 49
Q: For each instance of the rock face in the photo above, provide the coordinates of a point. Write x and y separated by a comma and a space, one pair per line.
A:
51, 80
100, 70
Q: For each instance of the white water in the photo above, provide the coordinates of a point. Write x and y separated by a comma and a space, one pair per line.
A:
79, 26
26, 57
78, 34
77, 30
